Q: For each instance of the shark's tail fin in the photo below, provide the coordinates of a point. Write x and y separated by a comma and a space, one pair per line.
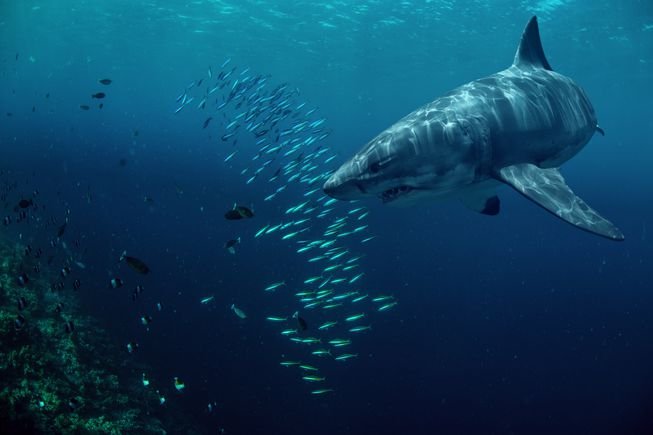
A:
530, 53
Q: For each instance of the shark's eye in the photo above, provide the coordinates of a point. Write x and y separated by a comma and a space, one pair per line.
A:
375, 167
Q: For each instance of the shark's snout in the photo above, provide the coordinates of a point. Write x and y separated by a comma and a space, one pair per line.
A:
342, 188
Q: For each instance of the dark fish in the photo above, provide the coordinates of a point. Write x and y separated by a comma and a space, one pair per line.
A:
59, 307
238, 212
84, 107
69, 326
65, 271
208, 120
19, 322
136, 264
137, 291
105, 81
22, 303
136, 133
301, 323
77, 284
146, 320
47, 95
122, 162
99, 95
132, 347
24, 203
100, 106
231, 245
116, 283
62, 229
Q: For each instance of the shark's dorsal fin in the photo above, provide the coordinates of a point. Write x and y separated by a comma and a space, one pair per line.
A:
530, 53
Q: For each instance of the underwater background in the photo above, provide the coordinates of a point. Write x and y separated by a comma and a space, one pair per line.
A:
515, 324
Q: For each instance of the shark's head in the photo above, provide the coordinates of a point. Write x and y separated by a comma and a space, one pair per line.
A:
412, 159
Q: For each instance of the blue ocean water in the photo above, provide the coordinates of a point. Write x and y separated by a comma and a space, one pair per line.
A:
514, 324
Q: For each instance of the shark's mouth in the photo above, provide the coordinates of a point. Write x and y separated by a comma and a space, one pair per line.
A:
394, 193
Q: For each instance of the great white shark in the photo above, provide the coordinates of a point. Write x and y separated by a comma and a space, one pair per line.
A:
515, 127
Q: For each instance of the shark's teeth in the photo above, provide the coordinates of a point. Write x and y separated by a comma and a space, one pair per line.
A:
394, 193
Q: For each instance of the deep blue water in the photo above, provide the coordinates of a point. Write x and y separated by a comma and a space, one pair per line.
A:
513, 324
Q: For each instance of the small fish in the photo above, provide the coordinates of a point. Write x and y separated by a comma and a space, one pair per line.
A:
308, 368
290, 363
22, 303
116, 283
312, 279
145, 381
136, 264
25, 203
313, 378
303, 325
321, 352
84, 107
146, 320
206, 123
354, 317
99, 95
287, 332
238, 212
382, 298
360, 328
59, 307
132, 347
207, 299
105, 82
274, 286
387, 306
230, 156
276, 319
327, 325
19, 322
137, 291
356, 278
322, 391
346, 356
261, 231
69, 326
179, 385
230, 245
62, 230
240, 313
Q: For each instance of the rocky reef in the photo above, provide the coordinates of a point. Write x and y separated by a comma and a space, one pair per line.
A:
59, 372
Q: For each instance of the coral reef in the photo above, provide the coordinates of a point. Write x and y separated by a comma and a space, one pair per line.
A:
56, 381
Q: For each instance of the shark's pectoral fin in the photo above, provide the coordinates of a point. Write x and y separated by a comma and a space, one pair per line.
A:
484, 201
547, 188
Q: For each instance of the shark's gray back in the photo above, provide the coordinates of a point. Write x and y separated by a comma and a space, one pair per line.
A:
523, 115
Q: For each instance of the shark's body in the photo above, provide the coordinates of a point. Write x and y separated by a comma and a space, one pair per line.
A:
514, 127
